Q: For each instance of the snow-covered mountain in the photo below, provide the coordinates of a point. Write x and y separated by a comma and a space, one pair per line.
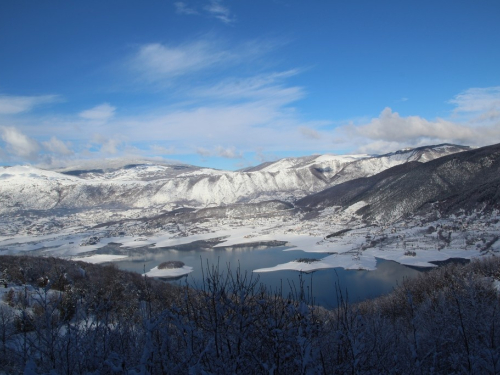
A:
167, 186
453, 183
411, 206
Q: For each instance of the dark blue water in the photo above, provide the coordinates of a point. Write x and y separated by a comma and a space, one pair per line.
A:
357, 285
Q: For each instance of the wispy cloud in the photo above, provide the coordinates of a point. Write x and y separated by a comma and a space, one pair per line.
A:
183, 8
478, 105
228, 152
219, 11
209, 60
100, 113
309, 133
219, 151
11, 105
203, 152
219, 100
207, 112
235, 117
261, 156
160, 150
477, 99
214, 9
157, 61
270, 86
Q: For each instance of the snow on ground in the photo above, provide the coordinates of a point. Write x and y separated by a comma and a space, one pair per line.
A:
344, 238
496, 285
25, 173
355, 207
169, 272
424, 257
100, 258
363, 262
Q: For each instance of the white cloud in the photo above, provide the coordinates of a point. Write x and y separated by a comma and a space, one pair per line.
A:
390, 131
100, 113
110, 146
107, 144
477, 100
203, 152
214, 9
478, 106
246, 126
183, 8
382, 147
217, 10
309, 133
390, 126
488, 116
219, 151
268, 87
157, 61
160, 150
57, 146
228, 153
11, 105
20, 144
3, 155
252, 113
475, 121
261, 156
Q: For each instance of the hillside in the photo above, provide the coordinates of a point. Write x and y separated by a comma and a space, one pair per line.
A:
74, 318
463, 181
166, 187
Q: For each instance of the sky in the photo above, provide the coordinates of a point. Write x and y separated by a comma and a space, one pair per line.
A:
233, 83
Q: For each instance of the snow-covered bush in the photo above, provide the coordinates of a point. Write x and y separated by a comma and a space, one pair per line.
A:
108, 321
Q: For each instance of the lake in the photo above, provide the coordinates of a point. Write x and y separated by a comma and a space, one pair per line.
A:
359, 285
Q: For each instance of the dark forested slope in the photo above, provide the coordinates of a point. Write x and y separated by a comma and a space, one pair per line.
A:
462, 181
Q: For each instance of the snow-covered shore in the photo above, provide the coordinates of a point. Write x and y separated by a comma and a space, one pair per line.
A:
346, 241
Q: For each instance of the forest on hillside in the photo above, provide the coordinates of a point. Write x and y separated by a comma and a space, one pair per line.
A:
66, 317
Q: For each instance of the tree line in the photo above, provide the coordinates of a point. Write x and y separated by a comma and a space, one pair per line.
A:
65, 317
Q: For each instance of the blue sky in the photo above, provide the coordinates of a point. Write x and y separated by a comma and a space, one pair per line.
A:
232, 83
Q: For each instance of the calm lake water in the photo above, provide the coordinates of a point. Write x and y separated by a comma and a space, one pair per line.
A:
359, 285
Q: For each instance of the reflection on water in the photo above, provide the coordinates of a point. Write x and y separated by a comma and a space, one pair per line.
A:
359, 285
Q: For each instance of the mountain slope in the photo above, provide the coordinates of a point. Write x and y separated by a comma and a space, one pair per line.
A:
464, 180
144, 185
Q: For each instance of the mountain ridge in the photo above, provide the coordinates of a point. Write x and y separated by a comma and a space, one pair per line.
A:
415, 187
167, 187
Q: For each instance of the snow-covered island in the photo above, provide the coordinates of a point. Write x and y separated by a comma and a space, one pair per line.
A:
171, 269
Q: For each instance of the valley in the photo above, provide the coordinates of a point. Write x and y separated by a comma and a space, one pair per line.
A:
413, 206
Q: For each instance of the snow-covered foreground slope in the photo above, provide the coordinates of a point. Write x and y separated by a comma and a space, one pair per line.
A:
166, 187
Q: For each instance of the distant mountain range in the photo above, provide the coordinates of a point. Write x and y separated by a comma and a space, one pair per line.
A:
392, 184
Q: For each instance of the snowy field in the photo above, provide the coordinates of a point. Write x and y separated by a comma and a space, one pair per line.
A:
344, 238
